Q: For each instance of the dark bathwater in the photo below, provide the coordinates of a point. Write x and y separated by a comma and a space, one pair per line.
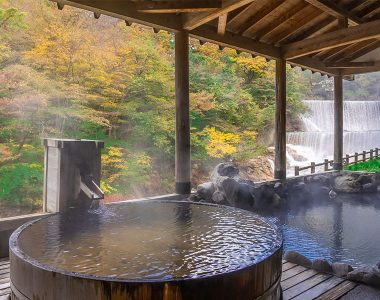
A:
344, 229
151, 240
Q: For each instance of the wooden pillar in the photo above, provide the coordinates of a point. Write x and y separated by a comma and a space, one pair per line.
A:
338, 123
182, 148
280, 121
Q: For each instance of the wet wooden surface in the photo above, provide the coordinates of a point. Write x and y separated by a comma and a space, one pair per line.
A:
297, 283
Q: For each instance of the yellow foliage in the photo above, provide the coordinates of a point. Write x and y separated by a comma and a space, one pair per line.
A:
221, 144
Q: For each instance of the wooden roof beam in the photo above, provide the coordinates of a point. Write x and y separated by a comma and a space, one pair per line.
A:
194, 20
353, 71
177, 6
335, 10
127, 11
333, 39
345, 65
207, 33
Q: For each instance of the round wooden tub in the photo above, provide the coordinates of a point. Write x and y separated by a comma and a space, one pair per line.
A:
147, 250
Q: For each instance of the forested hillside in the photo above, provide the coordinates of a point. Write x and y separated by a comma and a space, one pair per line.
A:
65, 74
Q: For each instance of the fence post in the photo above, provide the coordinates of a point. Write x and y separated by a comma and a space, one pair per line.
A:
312, 167
364, 155
356, 157
296, 171
377, 152
347, 159
371, 154
326, 164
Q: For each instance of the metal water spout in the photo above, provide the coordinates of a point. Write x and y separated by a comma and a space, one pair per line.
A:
90, 188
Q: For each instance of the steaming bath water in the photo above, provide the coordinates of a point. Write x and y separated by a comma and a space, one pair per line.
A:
150, 240
344, 229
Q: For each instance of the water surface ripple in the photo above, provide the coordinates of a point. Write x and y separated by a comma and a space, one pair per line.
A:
151, 240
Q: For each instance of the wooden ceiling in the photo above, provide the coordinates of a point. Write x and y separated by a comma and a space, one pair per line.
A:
333, 37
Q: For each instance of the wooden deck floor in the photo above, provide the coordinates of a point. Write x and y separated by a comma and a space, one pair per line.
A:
297, 282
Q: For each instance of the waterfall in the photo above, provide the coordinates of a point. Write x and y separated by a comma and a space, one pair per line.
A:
316, 141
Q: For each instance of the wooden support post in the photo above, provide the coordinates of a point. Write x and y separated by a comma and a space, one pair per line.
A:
356, 157
312, 167
364, 155
376, 152
371, 154
182, 153
296, 170
326, 164
280, 121
338, 123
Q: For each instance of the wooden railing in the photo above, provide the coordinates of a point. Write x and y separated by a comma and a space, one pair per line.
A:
347, 160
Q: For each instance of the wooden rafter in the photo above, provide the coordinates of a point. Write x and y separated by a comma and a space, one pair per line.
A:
321, 27
177, 6
194, 20
334, 39
297, 28
288, 16
369, 9
334, 10
341, 53
266, 9
361, 51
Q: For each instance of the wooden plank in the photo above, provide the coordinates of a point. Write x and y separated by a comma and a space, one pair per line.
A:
338, 291
3, 276
335, 10
288, 265
4, 286
319, 289
333, 39
4, 280
361, 51
286, 284
5, 292
5, 266
292, 272
287, 16
304, 286
5, 297
268, 8
4, 271
194, 20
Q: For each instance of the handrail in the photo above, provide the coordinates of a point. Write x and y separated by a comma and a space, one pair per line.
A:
346, 161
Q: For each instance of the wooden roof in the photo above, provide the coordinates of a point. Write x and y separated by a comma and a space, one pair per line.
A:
334, 37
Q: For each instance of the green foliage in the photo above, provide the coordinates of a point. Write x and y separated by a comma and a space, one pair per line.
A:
68, 75
368, 166
21, 183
